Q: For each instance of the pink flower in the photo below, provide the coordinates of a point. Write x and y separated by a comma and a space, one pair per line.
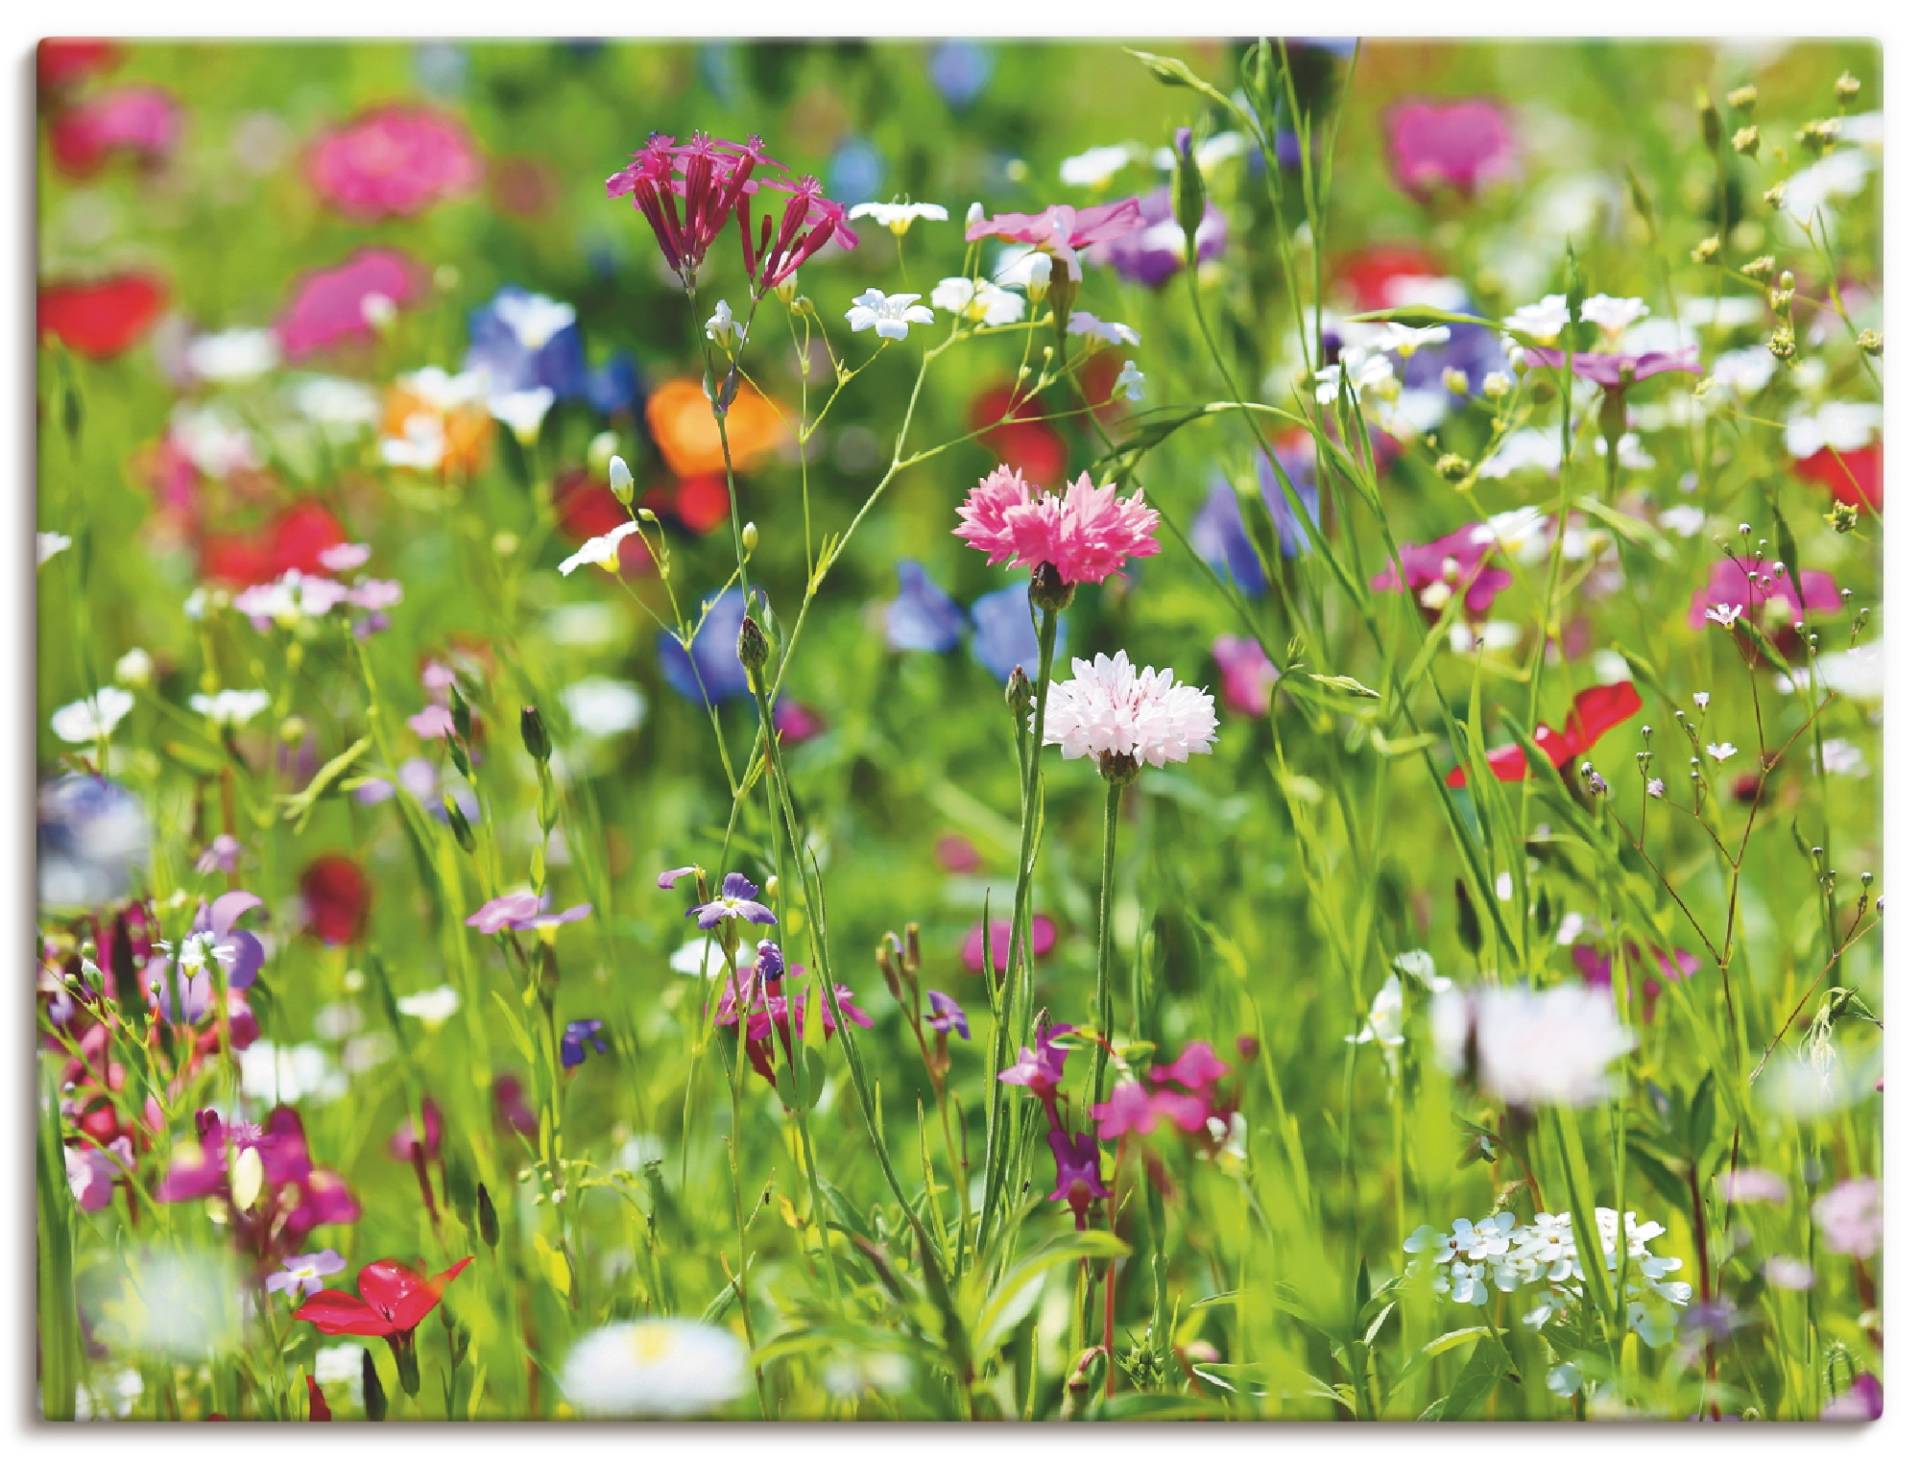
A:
1741, 1186
393, 162
1198, 1068
141, 121
1618, 371
1061, 231
1849, 1217
433, 722
1133, 1110
957, 854
1085, 532
1749, 583
329, 304
1246, 674
1462, 145
1436, 570
971, 952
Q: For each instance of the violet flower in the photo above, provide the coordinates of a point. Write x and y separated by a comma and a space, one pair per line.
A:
735, 901
1617, 371
948, 1015
523, 911
305, 1274
221, 856
1076, 1164
581, 1035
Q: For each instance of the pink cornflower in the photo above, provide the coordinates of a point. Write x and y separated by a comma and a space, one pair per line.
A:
329, 305
1750, 583
393, 162
1247, 675
1463, 145
141, 121
1457, 562
1060, 231
1086, 533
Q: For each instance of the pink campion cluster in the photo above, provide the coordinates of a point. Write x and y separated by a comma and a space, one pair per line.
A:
1435, 571
1459, 145
770, 1011
330, 305
141, 122
1746, 585
393, 162
266, 1179
973, 949
1595, 965
688, 191
1182, 1093
1085, 533
1060, 231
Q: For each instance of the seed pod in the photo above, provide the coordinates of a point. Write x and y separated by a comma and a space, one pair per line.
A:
372, 1395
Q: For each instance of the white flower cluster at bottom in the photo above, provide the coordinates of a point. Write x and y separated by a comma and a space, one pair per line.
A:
1544, 1258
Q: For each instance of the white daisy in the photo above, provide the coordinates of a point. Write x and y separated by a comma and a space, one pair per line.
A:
1541, 322
897, 217
654, 1367
1611, 314
979, 301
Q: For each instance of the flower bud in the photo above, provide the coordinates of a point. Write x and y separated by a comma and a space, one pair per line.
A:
1020, 694
1742, 98
1189, 189
372, 1395
1048, 590
135, 668
533, 734
749, 538
1746, 141
1872, 342
621, 480
1707, 249
489, 1218
752, 648
1455, 380
1709, 122
1847, 88
1453, 468
457, 822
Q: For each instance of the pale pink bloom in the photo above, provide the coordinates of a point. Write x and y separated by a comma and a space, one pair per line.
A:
1741, 1186
433, 722
1109, 708
1085, 532
329, 304
1849, 1217
1060, 232
393, 162
1247, 675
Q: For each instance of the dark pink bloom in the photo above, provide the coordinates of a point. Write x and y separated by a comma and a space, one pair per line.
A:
1085, 533
1596, 968
972, 951
419, 1132
1750, 1185
1062, 231
141, 121
393, 162
1198, 1068
1040, 1067
957, 854
1749, 584
1863, 1402
795, 722
1618, 371
1076, 1165
809, 221
1460, 145
1133, 1110
329, 305
1454, 563
1247, 675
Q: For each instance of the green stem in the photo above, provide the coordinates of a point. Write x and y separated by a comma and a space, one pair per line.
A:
1103, 965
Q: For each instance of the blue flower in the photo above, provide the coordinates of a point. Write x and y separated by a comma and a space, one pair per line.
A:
1219, 532
522, 341
715, 661
855, 169
578, 1037
1472, 349
772, 965
1003, 635
922, 618
614, 386
736, 903
948, 1015
959, 70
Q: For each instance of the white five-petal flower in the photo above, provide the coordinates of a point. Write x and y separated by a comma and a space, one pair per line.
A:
887, 315
601, 551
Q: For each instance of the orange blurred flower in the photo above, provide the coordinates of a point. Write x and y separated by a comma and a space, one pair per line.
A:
436, 422
682, 424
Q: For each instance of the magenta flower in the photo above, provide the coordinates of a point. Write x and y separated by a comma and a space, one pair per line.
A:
948, 1016
1436, 570
1618, 371
1247, 675
1863, 1402
973, 952
92, 1172
1085, 533
393, 162
1076, 1166
1061, 231
1749, 584
1133, 1110
294, 1196
329, 305
302, 1275
770, 1013
735, 902
1041, 1067
522, 911
809, 222
1462, 145
1198, 1068
142, 122
1849, 1217
418, 1134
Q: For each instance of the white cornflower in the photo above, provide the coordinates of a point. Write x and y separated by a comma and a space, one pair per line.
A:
231, 708
1384, 1019
1131, 383
654, 1367
1721, 752
887, 315
1724, 613
1405, 340
48, 545
1097, 166
723, 329
1541, 322
88, 720
233, 355
522, 411
897, 217
1611, 314
979, 301
432, 1007
1550, 1046
1082, 322
1116, 713
600, 551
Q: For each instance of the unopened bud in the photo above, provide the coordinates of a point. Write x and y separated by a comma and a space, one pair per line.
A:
457, 822
533, 734
1707, 249
1781, 344
1453, 468
752, 648
1048, 590
1742, 98
1709, 122
1746, 141
621, 480
1189, 188
1872, 342
1847, 88
1455, 380
1761, 267
749, 538
1019, 694
489, 1218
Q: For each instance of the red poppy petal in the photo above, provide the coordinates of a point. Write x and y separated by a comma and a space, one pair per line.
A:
340, 1313
1598, 709
390, 1287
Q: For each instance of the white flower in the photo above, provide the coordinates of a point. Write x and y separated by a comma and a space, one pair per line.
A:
290, 597
217, 443
1611, 314
1082, 322
1564, 1380
1207, 154
285, 1075
432, 1007
88, 720
445, 392
896, 218
533, 318
701, 957
1722, 752
1734, 311
1843, 757
1724, 613
134, 668
1384, 1025
1405, 340
603, 707
1524, 534
979, 301
600, 551
1683, 521
1702, 699
379, 311
338, 1364
48, 545
1549, 1046
654, 1367
1131, 383
1856, 673
1745, 371
230, 708
1097, 166
1541, 322
1839, 174
1841, 425
421, 445
339, 405
233, 355
1111, 708
887, 315
723, 329
522, 411
1532, 449
1366, 370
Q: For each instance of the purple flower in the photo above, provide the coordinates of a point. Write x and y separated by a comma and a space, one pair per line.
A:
1076, 1164
959, 70
1849, 1217
1158, 250
948, 1015
578, 1038
523, 341
1198, 1067
221, 856
1618, 371
715, 661
922, 619
1042, 1066
1219, 532
1003, 633
769, 963
1861, 1403
667, 878
91, 1172
433, 722
736, 900
522, 911
305, 1274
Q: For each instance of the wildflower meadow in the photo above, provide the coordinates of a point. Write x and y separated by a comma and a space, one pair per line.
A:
959, 730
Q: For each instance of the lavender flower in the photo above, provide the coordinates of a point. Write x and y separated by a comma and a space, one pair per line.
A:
305, 1274
948, 1016
736, 901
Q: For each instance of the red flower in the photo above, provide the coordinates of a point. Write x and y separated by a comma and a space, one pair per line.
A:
337, 895
317, 1409
392, 1301
1852, 477
1370, 274
1595, 710
292, 542
101, 319
63, 60
1029, 445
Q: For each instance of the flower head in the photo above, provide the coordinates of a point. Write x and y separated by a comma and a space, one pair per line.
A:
654, 1367
393, 162
1751, 586
887, 315
1085, 533
979, 301
947, 1016
393, 1300
897, 217
1528, 1046
1595, 710
1061, 231
522, 911
1463, 145
86, 721
1115, 712
581, 1035
602, 551
735, 902
302, 1275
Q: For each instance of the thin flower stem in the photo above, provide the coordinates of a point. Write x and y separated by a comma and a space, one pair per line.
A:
1103, 964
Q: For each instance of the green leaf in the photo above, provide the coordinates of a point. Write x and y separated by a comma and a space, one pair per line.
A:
990, 1325
298, 809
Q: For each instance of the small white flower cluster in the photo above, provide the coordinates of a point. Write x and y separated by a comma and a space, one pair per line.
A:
1472, 1259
